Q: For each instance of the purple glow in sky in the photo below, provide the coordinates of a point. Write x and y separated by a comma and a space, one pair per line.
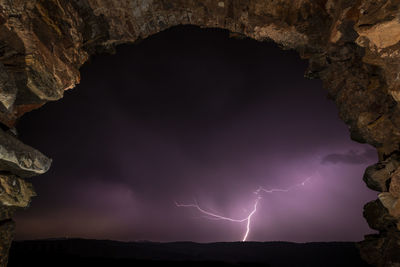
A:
259, 192
213, 216
192, 114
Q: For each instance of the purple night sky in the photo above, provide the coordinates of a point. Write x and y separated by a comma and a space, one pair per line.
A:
193, 114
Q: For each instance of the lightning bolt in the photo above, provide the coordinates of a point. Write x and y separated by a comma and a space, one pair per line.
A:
220, 217
215, 216
270, 191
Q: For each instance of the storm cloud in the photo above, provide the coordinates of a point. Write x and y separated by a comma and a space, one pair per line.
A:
350, 157
191, 113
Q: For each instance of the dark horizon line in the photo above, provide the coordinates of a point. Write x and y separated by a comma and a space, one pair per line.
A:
172, 242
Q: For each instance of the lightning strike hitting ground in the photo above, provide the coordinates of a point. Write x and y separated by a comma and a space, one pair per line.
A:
219, 217
211, 215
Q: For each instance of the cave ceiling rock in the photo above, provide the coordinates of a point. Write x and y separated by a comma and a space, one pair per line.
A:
352, 46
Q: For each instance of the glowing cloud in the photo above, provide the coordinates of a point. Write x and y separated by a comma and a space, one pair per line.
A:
214, 216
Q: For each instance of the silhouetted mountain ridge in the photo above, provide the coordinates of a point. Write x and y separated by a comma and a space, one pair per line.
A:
86, 252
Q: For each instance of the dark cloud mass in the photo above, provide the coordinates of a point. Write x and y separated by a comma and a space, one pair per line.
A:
351, 157
192, 114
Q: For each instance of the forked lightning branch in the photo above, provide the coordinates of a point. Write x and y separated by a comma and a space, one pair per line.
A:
261, 190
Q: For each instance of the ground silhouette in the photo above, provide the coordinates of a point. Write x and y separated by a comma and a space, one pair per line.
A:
83, 252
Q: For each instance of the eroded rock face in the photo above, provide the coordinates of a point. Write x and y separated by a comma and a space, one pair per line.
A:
15, 192
382, 249
7, 229
352, 46
378, 216
20, 159
377, 176
391, 199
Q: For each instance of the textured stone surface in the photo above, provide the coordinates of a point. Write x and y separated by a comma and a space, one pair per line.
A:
15, 192
352, 46
378, 216
7, 229
377, 176
19, 158
391, 198
6, 212
8, 89
394, 188
391, 203
382, 250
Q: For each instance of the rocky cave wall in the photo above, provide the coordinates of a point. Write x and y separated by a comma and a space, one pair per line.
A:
352, 46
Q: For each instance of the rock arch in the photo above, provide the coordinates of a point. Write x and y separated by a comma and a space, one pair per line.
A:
352, 46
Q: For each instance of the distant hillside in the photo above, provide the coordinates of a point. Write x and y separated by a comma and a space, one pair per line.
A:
82, 252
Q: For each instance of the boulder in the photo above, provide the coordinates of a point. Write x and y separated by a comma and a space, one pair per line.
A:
21, 159
15, 192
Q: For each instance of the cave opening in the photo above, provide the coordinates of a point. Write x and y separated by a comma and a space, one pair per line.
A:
193, 113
